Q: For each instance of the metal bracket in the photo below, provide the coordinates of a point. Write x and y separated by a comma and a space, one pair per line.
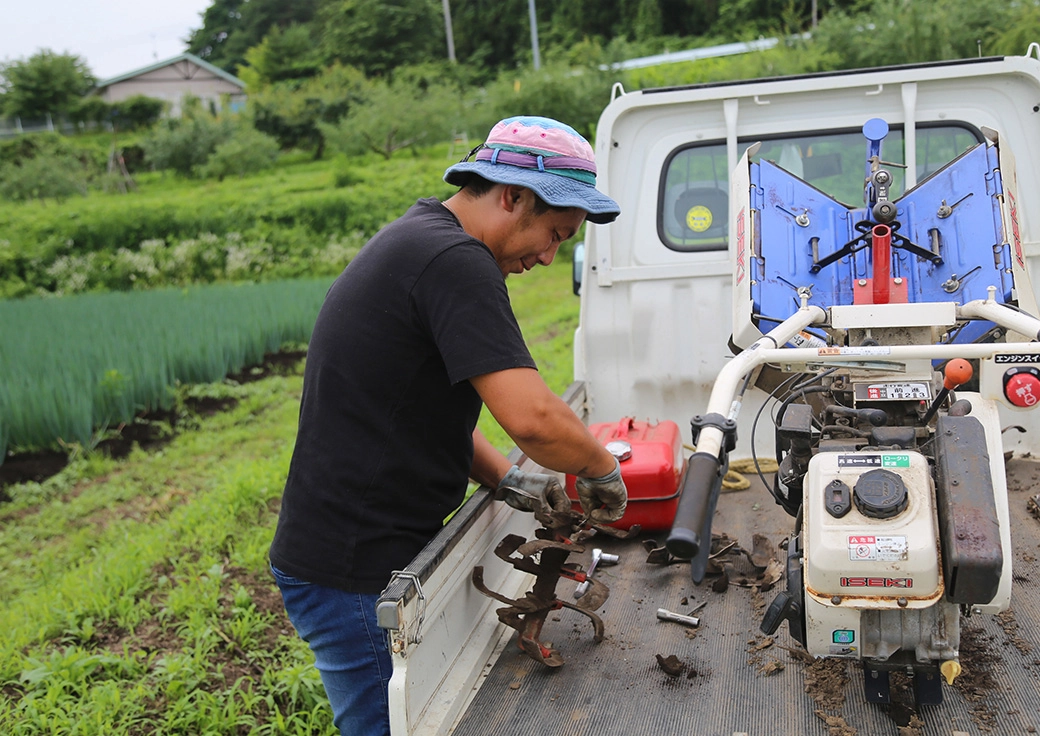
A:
415, 635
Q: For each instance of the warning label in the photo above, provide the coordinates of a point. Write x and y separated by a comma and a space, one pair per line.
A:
869, 548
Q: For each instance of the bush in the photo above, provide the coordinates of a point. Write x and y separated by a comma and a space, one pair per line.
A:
91, 109
247, 152
137, 112
185, 144
46, 176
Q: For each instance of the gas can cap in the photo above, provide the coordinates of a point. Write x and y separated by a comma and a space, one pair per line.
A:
620, 449
880, 494
1022, 386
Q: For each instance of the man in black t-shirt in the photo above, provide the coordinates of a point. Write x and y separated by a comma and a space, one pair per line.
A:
414, 337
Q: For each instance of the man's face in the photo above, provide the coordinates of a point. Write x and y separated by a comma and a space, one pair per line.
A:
536, 238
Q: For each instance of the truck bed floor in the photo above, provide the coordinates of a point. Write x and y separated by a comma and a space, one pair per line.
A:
735, 679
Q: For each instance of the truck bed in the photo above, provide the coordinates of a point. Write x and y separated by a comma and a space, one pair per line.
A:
735, 680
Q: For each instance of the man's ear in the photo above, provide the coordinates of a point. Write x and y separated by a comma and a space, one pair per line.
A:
513, 196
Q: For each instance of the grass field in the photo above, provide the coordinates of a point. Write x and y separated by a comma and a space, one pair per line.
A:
134, 595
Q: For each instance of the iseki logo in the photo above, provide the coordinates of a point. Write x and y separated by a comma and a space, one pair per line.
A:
864, 582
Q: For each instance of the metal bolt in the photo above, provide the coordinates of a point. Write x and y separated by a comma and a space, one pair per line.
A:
836, 599
901, 602
862, 282
897, 280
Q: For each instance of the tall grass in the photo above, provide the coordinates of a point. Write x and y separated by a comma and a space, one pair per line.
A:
73, 365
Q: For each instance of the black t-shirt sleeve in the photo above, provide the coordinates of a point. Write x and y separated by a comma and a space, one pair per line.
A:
462, 301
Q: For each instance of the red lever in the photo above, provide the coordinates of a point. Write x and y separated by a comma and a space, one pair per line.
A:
957, 371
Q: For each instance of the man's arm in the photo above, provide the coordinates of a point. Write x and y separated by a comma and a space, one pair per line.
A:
541, 423
489, 465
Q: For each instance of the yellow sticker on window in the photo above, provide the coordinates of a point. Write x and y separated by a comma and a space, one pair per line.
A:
698, 218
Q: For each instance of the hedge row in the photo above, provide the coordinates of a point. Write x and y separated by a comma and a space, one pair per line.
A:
296, 211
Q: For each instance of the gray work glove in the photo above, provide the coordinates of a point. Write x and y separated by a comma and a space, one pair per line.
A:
609, 491
532, 491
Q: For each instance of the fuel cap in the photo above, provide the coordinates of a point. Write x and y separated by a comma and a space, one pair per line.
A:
620, 449
880, 494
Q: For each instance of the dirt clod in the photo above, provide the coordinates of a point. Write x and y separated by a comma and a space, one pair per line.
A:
836, 725
976, 680
825, 681
672, 665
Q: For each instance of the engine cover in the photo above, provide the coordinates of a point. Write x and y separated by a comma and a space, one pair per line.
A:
884, 552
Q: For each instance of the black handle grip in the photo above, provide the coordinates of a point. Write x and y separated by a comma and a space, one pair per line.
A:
702, 472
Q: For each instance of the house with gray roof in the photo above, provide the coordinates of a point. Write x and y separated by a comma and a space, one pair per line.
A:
171, 79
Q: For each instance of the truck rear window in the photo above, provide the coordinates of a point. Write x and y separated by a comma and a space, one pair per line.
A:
693, 199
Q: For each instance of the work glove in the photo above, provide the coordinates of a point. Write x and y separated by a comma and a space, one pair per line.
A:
609, 491
532, 491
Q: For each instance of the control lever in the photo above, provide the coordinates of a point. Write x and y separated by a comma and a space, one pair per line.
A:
956, 372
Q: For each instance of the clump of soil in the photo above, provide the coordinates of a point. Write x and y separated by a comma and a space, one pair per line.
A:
836, 725
902, 706
1007, 622
825, 681
671, 665
976, 680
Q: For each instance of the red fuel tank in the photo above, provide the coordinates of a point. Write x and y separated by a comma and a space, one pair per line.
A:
652, 464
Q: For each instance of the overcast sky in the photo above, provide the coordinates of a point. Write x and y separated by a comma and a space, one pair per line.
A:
111, 36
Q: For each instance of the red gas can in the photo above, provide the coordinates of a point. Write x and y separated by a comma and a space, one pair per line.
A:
651, 465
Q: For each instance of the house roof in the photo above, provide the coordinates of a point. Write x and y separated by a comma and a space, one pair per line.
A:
160, 64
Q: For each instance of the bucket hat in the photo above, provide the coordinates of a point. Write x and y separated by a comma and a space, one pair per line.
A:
548, 157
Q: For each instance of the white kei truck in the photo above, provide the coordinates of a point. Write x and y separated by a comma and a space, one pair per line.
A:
824, 282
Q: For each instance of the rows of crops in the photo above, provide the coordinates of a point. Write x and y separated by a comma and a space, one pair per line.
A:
73, 366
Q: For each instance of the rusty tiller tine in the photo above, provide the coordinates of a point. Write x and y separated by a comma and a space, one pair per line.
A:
593, 598
538, 651
617, 533
478, 583
597, 622
509, 544
529, 549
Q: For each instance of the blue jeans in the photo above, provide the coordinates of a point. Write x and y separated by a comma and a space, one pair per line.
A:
350, 651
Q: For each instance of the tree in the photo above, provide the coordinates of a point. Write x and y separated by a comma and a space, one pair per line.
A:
231, 27
378, 35
398, 114
291, 110
45, 83
282, 55
909, 31
1023, 29
494, 34
574, 94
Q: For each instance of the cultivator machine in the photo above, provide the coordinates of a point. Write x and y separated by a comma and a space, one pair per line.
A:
888, 334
